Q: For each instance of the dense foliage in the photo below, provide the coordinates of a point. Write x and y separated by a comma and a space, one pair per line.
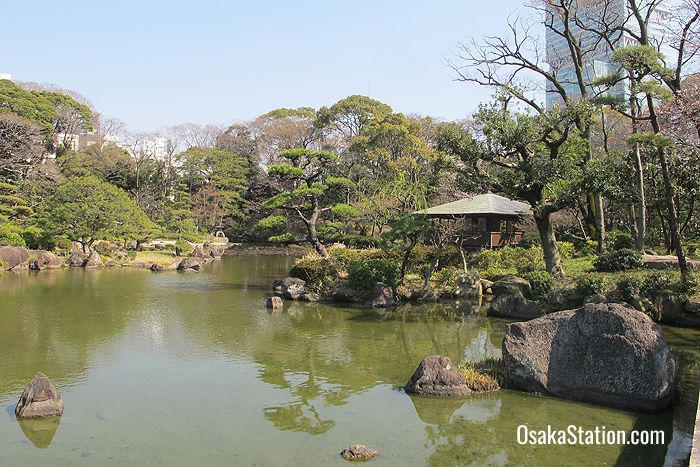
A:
363, 274
618, 260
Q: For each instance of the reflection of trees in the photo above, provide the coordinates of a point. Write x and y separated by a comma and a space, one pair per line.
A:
483, 431
320, 354
53, 321
298, 417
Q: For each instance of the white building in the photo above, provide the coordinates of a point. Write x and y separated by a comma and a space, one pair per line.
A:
6, 76
599, 62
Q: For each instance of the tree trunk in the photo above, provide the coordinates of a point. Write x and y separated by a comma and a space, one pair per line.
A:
406, 259
313, 239
599, 221
673, 223
552, 258
641, 209
433, 265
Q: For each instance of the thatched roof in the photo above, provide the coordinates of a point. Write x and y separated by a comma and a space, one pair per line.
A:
479, 205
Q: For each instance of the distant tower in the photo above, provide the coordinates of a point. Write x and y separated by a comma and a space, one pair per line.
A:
6, 76
599, 60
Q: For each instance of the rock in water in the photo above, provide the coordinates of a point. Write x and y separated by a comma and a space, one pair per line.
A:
358, 452
290, 288
39, 399
190, 264
13, 257
381, 296
436, 377
274, 303
467, 285
603, 353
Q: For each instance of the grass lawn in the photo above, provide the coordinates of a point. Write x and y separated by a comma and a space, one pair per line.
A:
163, 258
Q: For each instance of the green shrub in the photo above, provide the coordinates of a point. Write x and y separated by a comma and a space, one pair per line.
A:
589, 285
541, 282
319, 273
620, 260
690, 285
520, 259
587, 248
620, 240
344, 256
363, 274
655, 283
183, 247
693, 249
36, 239
446, 276
628, 287
283, 238
10, 235
62, 242
493, 274
566, 249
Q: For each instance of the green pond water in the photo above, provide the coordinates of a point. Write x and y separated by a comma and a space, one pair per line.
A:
191, 369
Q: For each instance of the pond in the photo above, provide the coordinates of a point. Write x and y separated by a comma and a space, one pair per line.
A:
191, 369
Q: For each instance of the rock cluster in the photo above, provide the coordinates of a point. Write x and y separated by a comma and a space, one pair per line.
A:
609, 354
45, 260
290, 288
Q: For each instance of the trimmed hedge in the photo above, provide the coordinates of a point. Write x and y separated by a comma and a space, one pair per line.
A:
363, 274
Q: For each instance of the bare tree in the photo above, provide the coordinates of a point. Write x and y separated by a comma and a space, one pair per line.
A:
190, 135
520, 65
21, 147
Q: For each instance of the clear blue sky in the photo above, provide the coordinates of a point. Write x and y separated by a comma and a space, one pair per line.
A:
157, 63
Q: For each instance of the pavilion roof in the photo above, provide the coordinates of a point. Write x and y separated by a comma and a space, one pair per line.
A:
479, 204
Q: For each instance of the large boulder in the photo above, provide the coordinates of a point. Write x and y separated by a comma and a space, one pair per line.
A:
13, 257
39, 399
45, 260
190, 264
603, 353
76, 259
512, 285
93, 261
342, 291
199, 252
290, 288
467, 285
381, 296
515, 306
435, 376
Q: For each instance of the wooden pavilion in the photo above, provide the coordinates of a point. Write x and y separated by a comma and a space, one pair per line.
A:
488, 220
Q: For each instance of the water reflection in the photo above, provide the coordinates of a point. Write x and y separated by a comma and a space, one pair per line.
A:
40, 431
111, 339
